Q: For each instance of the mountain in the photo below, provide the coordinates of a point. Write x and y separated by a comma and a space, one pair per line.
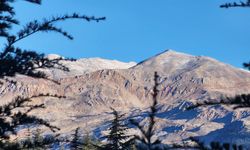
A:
95, 85
84, 65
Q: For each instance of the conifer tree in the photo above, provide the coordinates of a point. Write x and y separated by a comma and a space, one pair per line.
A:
90, 144
80, 142
117, 138
148, 133
87, 143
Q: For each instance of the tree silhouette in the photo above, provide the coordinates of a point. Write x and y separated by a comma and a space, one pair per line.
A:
83, 142
89, 143
148, 133
117, 138
10, 119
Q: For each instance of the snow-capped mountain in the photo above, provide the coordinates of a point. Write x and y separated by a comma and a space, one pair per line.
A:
84, 65
95, 85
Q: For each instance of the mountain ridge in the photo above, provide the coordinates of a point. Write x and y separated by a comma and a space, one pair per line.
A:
184, 80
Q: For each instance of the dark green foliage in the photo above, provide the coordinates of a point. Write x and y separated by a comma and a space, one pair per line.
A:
117, 138
10, 119
215, 146
236, 4
6, 145
247, 65
17, 60
35, 1
90, 144
212, 146
147, 134
238, 101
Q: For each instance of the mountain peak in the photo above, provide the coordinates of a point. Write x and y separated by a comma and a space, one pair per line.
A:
169, 56
171, 52
53, 56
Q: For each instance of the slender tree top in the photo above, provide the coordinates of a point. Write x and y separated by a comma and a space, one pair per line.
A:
148, 133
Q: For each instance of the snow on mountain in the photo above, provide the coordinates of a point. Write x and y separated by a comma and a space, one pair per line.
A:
94, 85
85, 65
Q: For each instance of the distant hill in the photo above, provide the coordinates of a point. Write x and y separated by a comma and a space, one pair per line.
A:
94, 85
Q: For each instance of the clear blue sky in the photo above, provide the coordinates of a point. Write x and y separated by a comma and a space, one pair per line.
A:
137, 29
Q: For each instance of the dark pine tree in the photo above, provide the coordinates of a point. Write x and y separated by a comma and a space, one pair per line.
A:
80, 142
148, 133
117, 138
89, 143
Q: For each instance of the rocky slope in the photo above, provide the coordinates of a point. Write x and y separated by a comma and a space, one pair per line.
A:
95, 85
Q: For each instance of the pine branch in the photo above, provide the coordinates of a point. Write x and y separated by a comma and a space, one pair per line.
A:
7, 13
22, 118
235, 4
20, 102
47, 25
6, 8
34, 1
15, 60
27, 62
239, 101
9, 19
10, 120
247, 65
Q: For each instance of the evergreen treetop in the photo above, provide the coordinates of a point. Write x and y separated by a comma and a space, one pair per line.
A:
117, 137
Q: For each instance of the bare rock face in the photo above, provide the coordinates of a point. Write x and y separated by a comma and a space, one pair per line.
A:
95, 85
